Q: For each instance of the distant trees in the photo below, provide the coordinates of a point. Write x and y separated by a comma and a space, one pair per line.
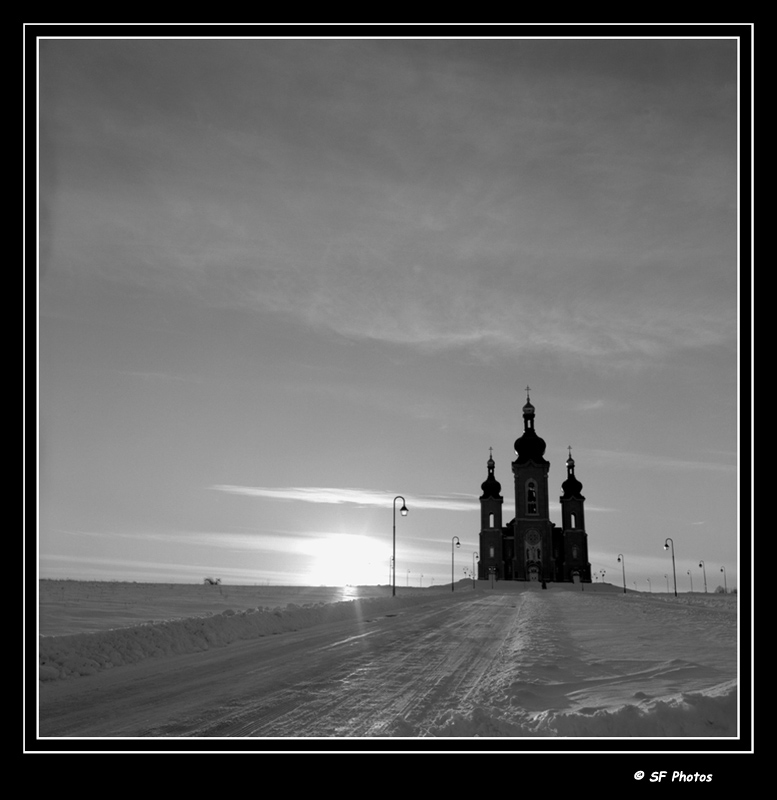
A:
212, 581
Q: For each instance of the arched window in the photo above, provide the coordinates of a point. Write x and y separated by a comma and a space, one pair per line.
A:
531, 497
572, 520
490, 520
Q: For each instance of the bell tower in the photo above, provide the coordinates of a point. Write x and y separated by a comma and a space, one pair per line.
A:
491, 560
575, 564
532, 555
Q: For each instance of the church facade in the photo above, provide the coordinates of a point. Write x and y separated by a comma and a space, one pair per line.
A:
531, 547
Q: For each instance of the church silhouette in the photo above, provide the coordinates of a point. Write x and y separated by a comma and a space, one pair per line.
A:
531, 547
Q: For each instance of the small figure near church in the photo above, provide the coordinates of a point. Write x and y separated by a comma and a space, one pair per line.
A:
531, 547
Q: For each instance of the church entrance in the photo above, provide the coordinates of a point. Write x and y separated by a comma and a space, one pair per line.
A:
534, 574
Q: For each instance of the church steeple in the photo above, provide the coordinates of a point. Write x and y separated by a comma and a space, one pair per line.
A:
571, 486
575, 564
528, 413
529, 446
491, 486
491, 500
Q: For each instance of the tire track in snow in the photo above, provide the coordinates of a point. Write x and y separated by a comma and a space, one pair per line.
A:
384, 683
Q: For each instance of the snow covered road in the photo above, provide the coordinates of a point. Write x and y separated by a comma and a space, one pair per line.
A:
487, 664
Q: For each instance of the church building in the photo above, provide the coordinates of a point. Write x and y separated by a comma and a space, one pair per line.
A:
531, 547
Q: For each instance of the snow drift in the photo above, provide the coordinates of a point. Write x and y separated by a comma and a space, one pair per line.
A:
524, 701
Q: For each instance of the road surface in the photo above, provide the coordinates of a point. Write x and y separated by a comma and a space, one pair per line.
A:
385, 675
498, 663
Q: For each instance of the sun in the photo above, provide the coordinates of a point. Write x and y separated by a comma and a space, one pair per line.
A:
343, 558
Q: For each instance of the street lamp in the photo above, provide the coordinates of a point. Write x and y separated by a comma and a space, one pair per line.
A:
403, 512
704, 568
454, 540
650, 587
622, 562
674, 572
691, 577
474, 556
725, 587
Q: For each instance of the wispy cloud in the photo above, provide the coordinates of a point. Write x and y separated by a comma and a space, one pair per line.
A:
601, 405
410, 207
366, 497
357, 497
159, 376
663, 463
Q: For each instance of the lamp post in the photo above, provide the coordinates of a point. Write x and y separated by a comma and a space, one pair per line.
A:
674, 572
704, 568
622, 562
454, 540
650, 586
725, 587
474, 556
691, 577
403, 512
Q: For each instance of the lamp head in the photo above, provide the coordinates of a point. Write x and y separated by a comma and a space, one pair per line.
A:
403, 510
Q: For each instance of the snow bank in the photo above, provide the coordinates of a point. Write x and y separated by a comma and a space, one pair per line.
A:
712, 712
88, 653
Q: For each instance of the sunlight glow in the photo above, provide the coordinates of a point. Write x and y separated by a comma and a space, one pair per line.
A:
341, 559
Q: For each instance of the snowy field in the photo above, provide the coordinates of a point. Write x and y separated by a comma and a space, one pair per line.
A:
515, 661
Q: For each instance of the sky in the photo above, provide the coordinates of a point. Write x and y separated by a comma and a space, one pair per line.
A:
283, 281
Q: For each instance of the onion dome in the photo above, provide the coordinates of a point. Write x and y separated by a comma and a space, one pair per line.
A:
491, 486
572, 486
529, 446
